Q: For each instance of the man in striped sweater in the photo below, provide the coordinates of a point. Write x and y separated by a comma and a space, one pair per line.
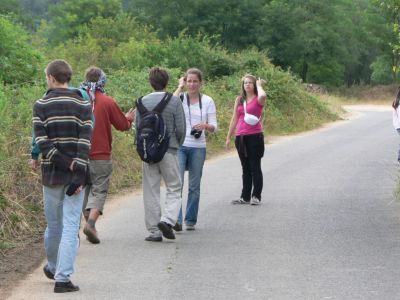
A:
62, 125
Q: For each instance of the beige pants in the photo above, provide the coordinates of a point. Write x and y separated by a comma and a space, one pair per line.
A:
96, 192
168, 170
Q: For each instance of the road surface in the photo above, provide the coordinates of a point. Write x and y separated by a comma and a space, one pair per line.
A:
328, 228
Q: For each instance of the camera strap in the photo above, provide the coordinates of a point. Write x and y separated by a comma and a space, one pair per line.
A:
201, 110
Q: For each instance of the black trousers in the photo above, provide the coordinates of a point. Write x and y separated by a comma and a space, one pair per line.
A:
251, 149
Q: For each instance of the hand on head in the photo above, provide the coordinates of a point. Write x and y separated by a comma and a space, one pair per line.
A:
260, 81
182, 82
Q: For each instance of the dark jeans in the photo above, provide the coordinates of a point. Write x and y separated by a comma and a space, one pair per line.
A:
251, 149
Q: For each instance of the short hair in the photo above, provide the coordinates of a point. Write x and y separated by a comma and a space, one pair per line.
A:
92, 74
158, 78
60, 70
196, 72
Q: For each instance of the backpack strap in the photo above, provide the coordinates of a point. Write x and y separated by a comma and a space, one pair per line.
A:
140, 106
163, 103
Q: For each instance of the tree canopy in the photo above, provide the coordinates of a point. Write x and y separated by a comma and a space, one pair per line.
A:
331, 42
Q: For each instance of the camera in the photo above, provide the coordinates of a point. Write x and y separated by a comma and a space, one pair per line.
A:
196, 133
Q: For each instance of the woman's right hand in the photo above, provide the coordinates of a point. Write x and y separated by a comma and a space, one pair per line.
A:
228, 143
182, 82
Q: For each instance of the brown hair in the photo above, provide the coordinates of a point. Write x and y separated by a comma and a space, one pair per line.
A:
196, 72
60, 70
158, 78
396, 101
92, 74
243, 92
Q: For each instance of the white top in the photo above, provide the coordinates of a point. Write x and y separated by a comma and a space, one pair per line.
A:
396, 118
208, 115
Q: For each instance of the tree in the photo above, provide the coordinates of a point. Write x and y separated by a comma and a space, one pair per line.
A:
230, 23
391, 48
67, 18
321, 40
19, 61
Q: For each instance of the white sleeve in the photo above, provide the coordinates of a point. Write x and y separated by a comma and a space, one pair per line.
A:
396, 119
212, 114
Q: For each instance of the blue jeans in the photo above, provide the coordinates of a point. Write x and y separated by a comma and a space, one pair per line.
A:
63, 214
191, 159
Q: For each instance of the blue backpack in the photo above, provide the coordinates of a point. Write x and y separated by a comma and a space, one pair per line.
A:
152, 138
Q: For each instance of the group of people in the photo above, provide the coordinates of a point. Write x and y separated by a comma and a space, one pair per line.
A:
72, 131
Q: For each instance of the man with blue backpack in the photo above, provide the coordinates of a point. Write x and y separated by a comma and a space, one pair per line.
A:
161, 128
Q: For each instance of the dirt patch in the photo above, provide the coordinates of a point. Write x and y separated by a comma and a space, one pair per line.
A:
18, 262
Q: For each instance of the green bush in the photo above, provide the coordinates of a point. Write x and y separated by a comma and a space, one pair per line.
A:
19, 61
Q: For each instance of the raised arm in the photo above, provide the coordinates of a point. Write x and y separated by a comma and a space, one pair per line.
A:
181, 86
262, 95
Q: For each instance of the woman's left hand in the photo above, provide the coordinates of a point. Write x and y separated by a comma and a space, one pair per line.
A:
201, 126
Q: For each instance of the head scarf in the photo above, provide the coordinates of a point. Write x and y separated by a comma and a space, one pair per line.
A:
91, 87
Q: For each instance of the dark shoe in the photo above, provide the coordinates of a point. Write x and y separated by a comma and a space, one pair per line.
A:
166, 230
65, 287
152, 238
177, 227
47, 272
91, 234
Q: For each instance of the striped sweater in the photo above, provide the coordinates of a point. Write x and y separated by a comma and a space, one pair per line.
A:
62, 125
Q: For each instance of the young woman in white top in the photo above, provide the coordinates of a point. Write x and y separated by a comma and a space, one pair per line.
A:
200, 113
396, 117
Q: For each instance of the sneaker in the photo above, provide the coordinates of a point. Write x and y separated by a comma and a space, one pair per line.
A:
190, 227
166, 230
177, 227
65, 287
48, 273
255, 201
91, 234
240, 201
153, 238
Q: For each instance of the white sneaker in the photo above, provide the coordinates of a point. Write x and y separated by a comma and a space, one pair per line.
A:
190, 227
240, 201
255, 201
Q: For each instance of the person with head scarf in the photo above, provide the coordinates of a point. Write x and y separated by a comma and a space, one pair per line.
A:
107, 113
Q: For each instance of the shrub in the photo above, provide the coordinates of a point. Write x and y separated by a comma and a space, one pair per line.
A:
19, 61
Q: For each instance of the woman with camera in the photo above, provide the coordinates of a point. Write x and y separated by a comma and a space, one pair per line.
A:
200, 115
249, 139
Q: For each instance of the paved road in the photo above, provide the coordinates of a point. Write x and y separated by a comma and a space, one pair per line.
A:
328, 228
